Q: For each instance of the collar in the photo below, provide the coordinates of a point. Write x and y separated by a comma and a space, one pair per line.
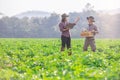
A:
90, 24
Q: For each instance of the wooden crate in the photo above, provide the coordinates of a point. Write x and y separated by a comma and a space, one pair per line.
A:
86, 34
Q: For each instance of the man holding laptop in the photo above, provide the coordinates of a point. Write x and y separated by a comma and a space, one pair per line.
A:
64, 27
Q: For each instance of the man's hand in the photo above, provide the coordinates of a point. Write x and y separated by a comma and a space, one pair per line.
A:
76, 20
65, 29
93, 31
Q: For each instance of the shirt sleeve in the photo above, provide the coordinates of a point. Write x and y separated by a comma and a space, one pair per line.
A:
95, 28
61, 27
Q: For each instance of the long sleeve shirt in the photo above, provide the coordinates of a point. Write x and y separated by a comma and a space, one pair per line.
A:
62, 26
92, 27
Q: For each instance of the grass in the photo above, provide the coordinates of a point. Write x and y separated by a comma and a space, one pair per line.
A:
41, 59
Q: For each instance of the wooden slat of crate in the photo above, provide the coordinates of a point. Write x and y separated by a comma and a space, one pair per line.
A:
86, 34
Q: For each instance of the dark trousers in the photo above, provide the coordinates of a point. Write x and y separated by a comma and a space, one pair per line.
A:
66, 41
91, 42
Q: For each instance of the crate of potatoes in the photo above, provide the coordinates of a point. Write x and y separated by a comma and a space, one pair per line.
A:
86, 34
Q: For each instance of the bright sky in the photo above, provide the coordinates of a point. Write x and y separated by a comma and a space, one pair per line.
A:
12, 7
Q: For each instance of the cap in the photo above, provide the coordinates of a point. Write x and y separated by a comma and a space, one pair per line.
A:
91, 17
64, 15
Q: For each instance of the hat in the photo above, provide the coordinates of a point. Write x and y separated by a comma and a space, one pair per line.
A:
91, 17
64, 15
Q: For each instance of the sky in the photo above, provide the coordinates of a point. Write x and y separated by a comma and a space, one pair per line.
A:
13, 7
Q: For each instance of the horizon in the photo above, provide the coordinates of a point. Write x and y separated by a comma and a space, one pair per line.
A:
58, 6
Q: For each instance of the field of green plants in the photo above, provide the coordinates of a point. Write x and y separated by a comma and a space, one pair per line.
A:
41, 59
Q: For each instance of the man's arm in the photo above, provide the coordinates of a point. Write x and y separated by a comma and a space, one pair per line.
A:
76, 20
62, 29
95, 31
65, 29
71, 25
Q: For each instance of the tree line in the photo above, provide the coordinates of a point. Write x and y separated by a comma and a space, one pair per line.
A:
47, 27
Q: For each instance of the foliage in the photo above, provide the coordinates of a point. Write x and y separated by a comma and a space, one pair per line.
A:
37, 27
40, 59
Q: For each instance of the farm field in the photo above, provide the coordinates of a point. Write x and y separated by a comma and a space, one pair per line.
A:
41, 59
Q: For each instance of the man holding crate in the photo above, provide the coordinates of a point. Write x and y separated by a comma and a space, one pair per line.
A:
89, 34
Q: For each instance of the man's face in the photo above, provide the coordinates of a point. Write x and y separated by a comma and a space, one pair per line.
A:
90, 20
67, 19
